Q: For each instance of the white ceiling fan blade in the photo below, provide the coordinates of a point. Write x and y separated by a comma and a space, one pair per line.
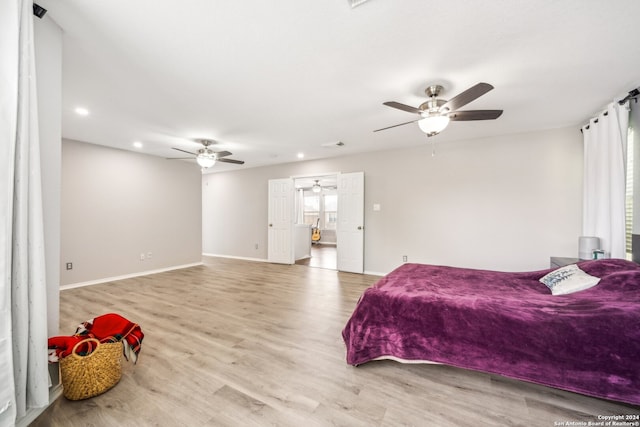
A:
355, 3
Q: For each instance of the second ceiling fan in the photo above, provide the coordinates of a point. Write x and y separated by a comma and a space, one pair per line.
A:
206, 157
436, 113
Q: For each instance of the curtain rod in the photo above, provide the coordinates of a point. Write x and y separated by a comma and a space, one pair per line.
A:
633, 94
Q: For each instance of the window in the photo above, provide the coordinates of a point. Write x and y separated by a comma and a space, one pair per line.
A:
323, 206
330, 211
311, 208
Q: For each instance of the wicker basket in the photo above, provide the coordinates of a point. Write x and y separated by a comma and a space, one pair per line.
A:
93, 374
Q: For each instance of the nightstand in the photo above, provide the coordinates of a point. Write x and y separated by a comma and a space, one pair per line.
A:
557, 261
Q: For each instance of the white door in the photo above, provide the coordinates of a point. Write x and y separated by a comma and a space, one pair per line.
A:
350, 228
280, 232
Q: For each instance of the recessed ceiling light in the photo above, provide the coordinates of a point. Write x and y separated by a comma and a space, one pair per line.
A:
137, 144
301, 155
81, 111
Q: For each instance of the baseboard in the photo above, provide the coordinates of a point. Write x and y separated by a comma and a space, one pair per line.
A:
374, 273
33, 413
128, 276
236, 257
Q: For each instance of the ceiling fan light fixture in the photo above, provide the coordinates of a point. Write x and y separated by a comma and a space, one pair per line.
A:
433, 125
206, 160
206, 157
316, 187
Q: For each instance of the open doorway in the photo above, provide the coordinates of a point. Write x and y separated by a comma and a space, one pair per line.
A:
316, 204
286, 232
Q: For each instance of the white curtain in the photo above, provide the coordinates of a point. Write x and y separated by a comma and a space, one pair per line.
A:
605, 148
23, 311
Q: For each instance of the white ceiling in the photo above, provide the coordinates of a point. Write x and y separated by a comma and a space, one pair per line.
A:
270, 79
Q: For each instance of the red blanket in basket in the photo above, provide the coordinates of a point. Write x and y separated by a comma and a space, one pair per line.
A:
106, 328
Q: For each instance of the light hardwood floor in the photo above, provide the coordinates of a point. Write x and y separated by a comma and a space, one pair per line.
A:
239, 343
322, 256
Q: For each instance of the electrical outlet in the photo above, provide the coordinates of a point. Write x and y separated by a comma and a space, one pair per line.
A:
141, 256
404, 258
149, 255
69, 266
256, 246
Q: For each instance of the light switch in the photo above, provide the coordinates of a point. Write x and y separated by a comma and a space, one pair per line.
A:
376, 207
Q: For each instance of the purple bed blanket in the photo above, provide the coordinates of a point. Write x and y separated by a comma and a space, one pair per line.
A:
508, 324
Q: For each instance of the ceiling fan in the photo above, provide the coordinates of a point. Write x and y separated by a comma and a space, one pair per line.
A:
316, 185
206, 157
436, 113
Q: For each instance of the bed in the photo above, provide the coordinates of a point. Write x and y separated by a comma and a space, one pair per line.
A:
508, 324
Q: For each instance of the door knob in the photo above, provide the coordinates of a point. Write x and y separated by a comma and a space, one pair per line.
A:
270, 225
359, 227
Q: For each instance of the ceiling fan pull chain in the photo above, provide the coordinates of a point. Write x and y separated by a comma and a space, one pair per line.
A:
433, 147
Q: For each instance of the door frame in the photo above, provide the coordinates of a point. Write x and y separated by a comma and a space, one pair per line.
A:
292, 214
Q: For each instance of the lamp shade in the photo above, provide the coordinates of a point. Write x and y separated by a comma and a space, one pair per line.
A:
433, 125
586, 246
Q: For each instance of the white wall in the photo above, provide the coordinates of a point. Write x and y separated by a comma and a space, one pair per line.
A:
118, 204
506, 203
48, 51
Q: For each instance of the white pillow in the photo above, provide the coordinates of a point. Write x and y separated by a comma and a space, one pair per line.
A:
569, 279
